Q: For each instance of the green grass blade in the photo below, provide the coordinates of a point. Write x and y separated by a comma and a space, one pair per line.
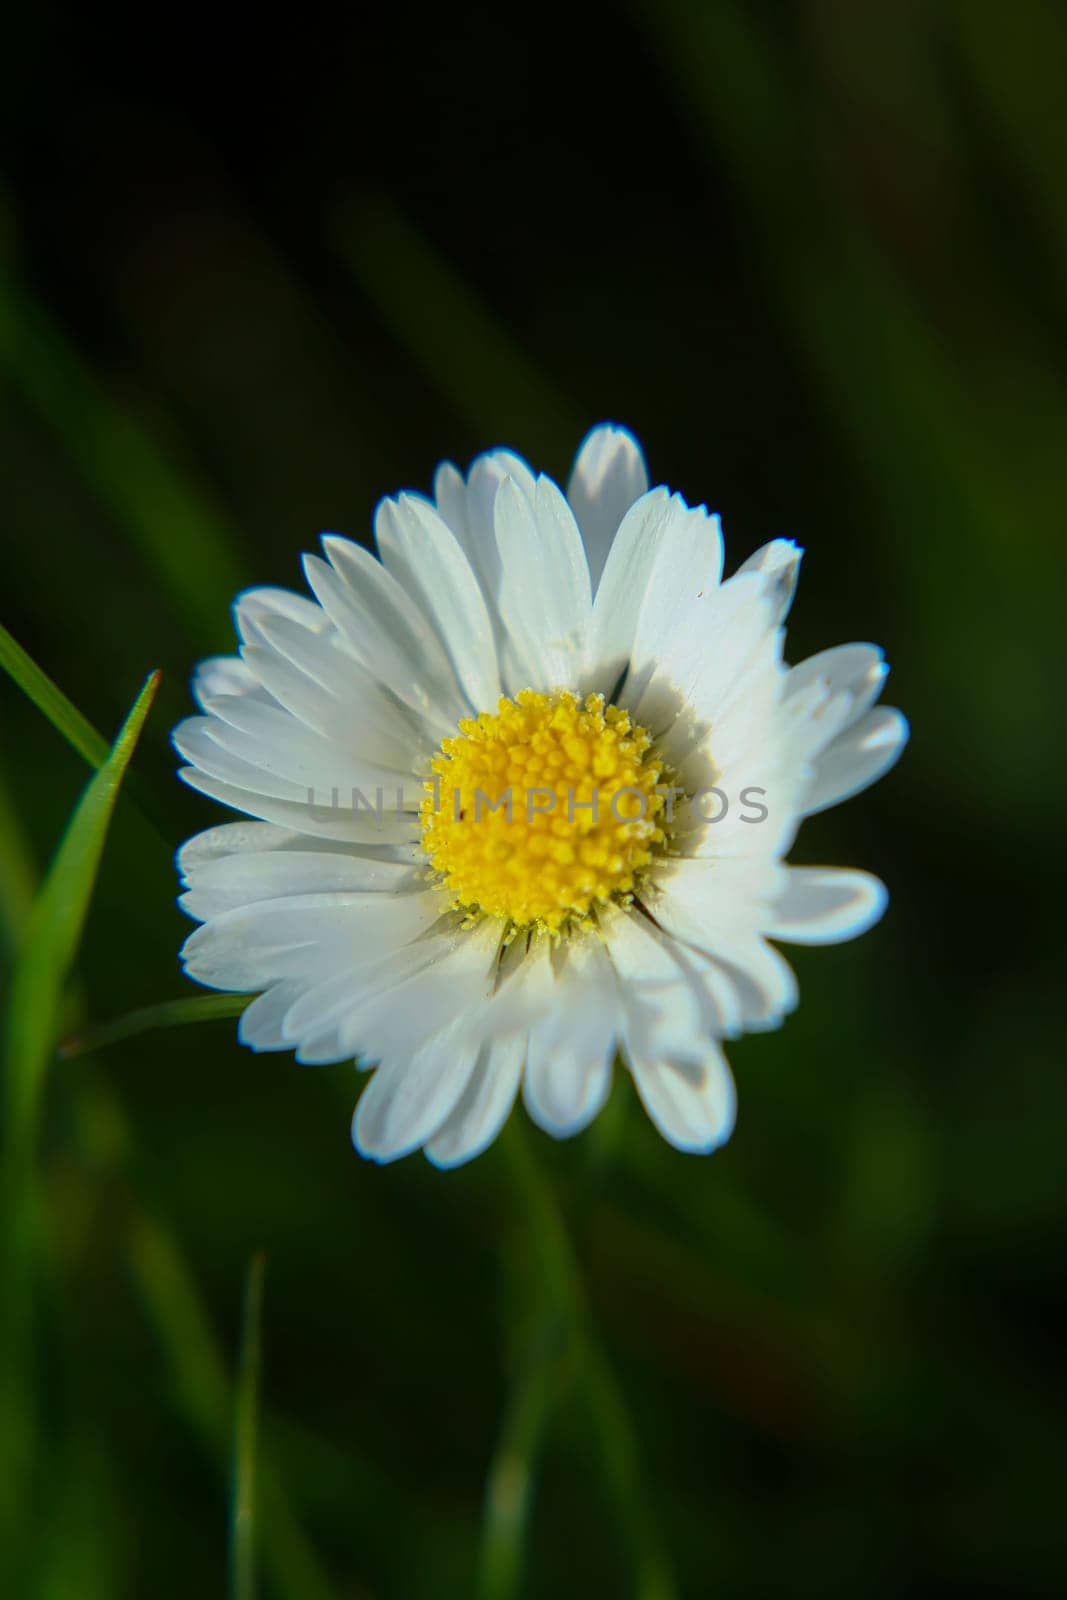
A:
50, 699
204, 1395
40, 973
198, 1373
167, 1014
243, 1533
52, 936
68, 721
18, 881
157, 1266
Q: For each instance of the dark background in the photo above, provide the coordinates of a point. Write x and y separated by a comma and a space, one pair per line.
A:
256, 273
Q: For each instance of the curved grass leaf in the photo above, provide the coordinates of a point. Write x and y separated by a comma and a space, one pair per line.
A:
67, 720
52, 935
50, 699
167, 1014
40, 973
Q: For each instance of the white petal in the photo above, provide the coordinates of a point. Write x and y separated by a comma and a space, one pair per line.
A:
679, 993
341, 1005
484, 1105
302, 936
447, 993
239, 880
682, 583
609, 474
566, 1087
621, 591
572, 1045
407, 1102
326, 688
718, 905
450, 498
296, 768
728, 895
260, 1027
469, 510
762, 818
692, 1104
418, 548
858, 670
220, 675
238, 838
385, 630
195, 740
722, 641
857, 758
778, 564
336, 818
545, 598
825, 905
272, 740
525, 983
324, 1048
227, 839
827, 693
254, 607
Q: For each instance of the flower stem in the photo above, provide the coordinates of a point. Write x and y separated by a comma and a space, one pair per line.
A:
243, 1528
618, 1448
512, 1473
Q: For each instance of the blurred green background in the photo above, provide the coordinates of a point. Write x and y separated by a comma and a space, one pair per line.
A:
250, 280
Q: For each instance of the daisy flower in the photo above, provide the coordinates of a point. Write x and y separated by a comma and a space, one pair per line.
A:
520, 789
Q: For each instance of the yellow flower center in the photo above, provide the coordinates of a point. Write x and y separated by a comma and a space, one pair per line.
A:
543, 809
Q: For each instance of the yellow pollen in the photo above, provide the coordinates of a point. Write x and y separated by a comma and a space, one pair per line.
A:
543, 809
